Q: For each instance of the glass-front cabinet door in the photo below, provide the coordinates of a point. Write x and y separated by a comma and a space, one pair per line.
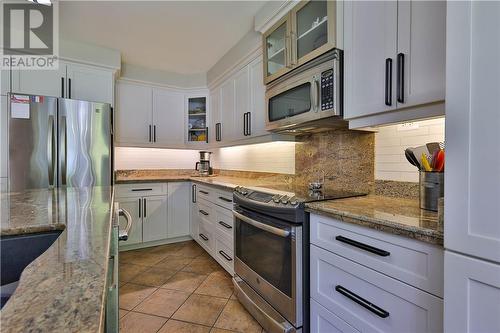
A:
277, 49
313, 31
197, 119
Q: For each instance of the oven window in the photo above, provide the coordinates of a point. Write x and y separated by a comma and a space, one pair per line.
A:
291, 102
266, 254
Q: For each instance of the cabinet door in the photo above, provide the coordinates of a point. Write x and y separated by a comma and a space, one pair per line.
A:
179, 195
276, 48
370, 50
313, 31
471, 294
422, 48
133, 114
4, 144
215, 118
194, 219
472, 182
4, 82
227, 110
90, 84
131, 205
257, 99
241, 101
168, 117
40, 82
154, 226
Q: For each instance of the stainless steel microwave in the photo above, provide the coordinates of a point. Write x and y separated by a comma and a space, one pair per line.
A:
308, 99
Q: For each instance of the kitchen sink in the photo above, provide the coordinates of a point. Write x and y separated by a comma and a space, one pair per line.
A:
16, 253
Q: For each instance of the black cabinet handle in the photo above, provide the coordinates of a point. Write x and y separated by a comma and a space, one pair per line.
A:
361, 301
149, 133
249, 124
154, 133
206, 134
140, 204
401, 78
228, 258
218, 132
388, 81
144, 201
245, 124
225, 225
225, 199
141, 189
203, 212
69, 88
205, 238
193, 193
204, 192
362, 246
62, 87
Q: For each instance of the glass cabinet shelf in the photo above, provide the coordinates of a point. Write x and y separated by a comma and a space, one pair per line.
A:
197, 119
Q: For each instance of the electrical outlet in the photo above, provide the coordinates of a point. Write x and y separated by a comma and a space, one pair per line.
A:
407, 126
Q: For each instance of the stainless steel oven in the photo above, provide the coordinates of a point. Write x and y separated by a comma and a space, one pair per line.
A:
269, 266
308, 98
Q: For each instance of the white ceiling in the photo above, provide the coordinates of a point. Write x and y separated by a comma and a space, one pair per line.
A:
186, 37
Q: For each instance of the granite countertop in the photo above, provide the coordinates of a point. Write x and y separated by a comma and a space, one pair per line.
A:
63, 290
398, 216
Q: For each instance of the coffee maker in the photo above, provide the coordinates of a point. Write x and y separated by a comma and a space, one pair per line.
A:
203, 166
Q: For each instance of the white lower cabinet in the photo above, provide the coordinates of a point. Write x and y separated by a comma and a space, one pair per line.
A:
160, 213
212, 223
353, 289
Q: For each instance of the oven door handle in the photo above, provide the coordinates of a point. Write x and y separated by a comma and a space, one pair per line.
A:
262, 226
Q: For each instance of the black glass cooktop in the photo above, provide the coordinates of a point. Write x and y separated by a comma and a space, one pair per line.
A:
304, 194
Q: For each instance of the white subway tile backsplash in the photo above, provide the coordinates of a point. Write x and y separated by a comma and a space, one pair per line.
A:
127, 158
390, 143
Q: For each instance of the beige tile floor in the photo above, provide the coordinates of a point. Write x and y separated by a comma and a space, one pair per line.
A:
178, 288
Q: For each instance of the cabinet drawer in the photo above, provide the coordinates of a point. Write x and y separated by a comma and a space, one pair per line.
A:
224, 254
224, 221
323, 320
205, 211
206, 239
370, 301
204, 192
139, 190
414, 262
224, 199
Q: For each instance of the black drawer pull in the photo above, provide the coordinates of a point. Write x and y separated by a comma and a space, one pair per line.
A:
204, 192
225, 225
362, 246
141, 189
361, 301
225, 199
401, 78
205, 238
228, 258
203, 212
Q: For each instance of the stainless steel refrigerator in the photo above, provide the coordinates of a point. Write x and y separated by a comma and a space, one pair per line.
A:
57, 142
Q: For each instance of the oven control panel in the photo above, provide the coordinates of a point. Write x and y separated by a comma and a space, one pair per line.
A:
268, 198
327, 86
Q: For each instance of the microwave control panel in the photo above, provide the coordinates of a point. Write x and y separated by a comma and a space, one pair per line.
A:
327, 85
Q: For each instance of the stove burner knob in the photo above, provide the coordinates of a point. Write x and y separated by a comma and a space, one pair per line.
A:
293, 201
244, 191
284, 200
276, 198
237, 189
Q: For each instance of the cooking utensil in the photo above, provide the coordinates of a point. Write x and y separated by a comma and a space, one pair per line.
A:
425, 163
433, 147
439, 163
411, 158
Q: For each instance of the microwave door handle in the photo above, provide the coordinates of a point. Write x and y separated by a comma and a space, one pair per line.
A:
315, 94
262, 226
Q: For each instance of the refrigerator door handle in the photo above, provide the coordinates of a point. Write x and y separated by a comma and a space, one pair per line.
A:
64, 149
51, 150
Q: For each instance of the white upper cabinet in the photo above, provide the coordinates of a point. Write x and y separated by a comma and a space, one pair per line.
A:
90, 84
241, 103
394, 58
215, 117
71, 80
40, 82
369, 57
227, 110
168, 117
257, 99
133, 115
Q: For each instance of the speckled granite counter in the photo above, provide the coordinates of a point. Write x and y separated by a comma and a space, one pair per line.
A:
63, 290
398, 216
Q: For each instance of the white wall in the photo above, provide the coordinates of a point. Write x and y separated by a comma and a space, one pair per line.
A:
390, 143
276, 157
